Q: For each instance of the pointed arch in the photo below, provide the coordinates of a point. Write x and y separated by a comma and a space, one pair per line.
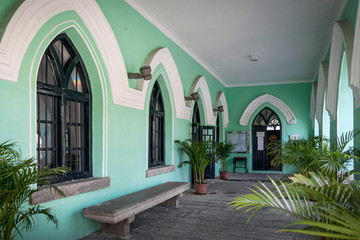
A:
220, 98
200, 83
26, 21
162, 56
321, 90
342, 34
267, 98
355, 70
75, 29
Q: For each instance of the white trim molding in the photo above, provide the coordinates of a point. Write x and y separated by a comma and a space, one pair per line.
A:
313, 104
355, 70
342, 34
267, 98
200, 83
220, 98
321, 90
164, 57
31, 15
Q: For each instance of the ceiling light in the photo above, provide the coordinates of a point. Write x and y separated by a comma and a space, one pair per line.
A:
254, 58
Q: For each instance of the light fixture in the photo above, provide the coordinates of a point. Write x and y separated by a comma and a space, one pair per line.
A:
145, 73
194, 96
254, 58
219, 109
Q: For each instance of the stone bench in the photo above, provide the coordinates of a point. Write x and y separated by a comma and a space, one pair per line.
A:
117, 214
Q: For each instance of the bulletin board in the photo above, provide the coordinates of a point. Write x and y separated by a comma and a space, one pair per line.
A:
240, 140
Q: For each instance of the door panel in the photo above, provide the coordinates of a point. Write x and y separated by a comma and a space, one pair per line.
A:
207, 133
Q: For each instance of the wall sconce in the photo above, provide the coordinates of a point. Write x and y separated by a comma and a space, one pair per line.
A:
194, 96
145, 73
219, 109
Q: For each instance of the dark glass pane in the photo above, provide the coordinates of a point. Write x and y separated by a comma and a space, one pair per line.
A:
79, 82
50, 108
66, 55
50, 72
42, 109
50, 135
42, 159
57, 46
73, 80
41, 77
78, 112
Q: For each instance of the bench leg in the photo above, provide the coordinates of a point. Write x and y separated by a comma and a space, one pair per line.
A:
172, 202
121, 229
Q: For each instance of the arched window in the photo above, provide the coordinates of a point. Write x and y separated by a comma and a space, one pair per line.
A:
195, 128
156, 128
64, 110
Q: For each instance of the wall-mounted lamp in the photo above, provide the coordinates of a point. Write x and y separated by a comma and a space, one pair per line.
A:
219, 109
194, 96
145, 73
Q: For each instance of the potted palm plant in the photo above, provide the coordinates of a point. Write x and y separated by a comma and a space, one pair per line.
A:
222, 152
326, 202
17, 175
198, 158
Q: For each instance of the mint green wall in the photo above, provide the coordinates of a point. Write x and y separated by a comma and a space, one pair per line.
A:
296, 96
127, 131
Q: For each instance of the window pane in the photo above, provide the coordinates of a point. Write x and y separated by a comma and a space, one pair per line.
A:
66, 55
41, 104
50, 72
41, 77
72, 81
79, 80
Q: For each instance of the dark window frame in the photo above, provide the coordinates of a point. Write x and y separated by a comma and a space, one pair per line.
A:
156, 131
77, 158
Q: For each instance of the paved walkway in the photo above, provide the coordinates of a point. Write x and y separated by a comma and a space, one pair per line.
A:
208, 217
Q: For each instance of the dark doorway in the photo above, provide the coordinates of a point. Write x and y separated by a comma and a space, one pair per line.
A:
208, 134
266, 128
203, 133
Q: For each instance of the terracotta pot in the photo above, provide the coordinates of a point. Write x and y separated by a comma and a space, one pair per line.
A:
201, 189
224, 175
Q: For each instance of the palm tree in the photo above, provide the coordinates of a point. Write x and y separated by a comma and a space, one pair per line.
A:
329, 207
17, 176
223, 151
317, 155
198, 157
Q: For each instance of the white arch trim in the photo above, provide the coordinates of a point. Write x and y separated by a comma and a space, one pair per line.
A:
31, 15
267, 98
200, 83
220, 98
313, 103
321, 89
355, 70
164, 57
342, 34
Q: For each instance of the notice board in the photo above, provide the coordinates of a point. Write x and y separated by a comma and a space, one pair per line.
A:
240, 140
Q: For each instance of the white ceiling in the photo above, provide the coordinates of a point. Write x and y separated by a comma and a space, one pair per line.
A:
290, 37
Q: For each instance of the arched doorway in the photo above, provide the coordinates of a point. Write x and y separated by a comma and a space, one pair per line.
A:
266, 128
203, 133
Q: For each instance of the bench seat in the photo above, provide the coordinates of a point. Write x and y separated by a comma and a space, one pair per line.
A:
117, 214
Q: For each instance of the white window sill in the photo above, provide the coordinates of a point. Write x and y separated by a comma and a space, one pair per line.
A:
70, 188
160, 170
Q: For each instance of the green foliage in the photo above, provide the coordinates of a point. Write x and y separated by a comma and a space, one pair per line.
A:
316, 155
327, 207
198, 157
16, 179
223, 151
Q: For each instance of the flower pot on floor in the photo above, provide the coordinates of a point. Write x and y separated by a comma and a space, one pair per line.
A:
201, 189
224, 175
